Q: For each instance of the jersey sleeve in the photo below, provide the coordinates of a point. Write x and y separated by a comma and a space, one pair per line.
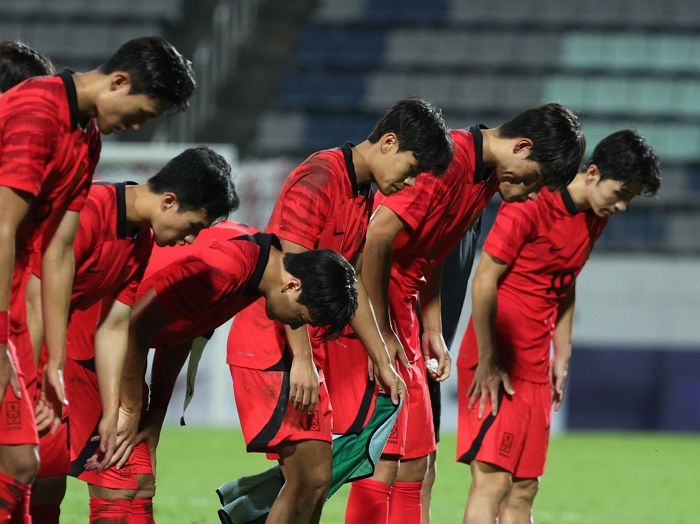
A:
29, 135
513, 227
305, 204
413, 203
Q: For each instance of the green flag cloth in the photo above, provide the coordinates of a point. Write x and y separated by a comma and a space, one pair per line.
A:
247, 500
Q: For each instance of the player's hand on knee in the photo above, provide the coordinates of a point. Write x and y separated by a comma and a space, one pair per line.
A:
8, 373
303, 385
150, 434
127, 430
488, 378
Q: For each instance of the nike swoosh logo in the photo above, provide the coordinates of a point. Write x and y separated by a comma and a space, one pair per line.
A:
552, 249
338, 233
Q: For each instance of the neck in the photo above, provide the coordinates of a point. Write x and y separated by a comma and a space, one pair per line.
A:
140, 203
361, 155
272, 276
577, 190
490, 146
87, 85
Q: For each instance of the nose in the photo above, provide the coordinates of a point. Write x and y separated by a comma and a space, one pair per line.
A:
532, 195
135, 127
189, 239
410, 181
621, 205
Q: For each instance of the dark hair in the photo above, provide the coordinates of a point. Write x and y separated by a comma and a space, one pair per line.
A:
18, 62
420, 128
327, 287
156, 69
201, 179
626, 156
558, 142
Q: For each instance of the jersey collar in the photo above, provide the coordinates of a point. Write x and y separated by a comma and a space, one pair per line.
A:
480, 173
569, 202
122, 231
265, 241
67, 76
350, 168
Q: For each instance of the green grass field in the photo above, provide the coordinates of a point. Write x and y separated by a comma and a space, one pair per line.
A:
592, 478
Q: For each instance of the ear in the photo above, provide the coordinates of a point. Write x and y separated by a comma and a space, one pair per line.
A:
388, 142
168, 200
521, 144
292, 285
592, 173
119, 80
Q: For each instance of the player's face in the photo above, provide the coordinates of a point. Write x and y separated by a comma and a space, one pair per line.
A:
284, 308
392, 169
117, 110
518, 192
519, 177
171, 226
607, 197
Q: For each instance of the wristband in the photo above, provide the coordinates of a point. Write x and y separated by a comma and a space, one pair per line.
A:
4, 327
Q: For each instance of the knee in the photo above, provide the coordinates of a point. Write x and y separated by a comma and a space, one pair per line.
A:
24, 464
523, 492
146, 487
492, 486
311, 486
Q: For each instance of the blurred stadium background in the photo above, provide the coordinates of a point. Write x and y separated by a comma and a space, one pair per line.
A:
279, 79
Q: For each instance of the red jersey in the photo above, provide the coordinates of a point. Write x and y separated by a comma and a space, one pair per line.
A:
203, 290
436, 212
546, 243
320, 207
48, 153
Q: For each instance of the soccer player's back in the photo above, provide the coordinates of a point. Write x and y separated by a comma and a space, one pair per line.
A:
523, 302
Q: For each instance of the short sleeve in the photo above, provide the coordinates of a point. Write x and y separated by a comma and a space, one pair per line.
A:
29, 132
513, 227
304, 207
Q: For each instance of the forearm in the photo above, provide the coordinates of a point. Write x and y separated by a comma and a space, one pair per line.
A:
110, 354
563, 328
7, 265
365, 326
131, 388
167, 364
430, 304
299, 343
376, 274
484, 314
34, 321
56, 285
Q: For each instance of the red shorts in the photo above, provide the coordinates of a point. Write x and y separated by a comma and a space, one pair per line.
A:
17, 422
516, 438
139, 463
54, 458
268, 418
415, 434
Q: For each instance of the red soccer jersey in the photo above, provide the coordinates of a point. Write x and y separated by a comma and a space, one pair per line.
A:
436, 212
320, 207
546, 243
48, 153
203, 290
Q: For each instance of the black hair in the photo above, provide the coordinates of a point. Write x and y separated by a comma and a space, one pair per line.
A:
18, 62
627, 157
156, 69
420, 128
201, 179
327, 287
558, 142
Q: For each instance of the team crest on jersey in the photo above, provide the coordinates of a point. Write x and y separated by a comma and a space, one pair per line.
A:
506, 444
13, 415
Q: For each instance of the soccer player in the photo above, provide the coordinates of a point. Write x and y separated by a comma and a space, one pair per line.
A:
523, 298
409, 236
117, 229
325, 203
190, 298
18, 62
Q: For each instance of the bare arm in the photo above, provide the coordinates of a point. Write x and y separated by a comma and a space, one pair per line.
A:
432, 341
111, 339
489, 374
13, 208
376, 271
57, 269
559, 367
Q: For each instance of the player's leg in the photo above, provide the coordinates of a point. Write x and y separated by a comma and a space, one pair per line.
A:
47, 495
368, 501
428, 483
307, 465
405, 505
488, 489
516, 508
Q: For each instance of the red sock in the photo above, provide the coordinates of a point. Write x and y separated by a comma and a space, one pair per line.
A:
142, 511
368, 502
14, 500
405, 503
110, 511
46, 513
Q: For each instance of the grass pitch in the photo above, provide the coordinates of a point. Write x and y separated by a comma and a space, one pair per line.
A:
592, 478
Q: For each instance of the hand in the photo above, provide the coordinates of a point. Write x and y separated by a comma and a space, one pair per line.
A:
127, 429
45, 417
389, 381
558, 373
303, 385
433, 345
107, 437
8, 373
150, 434
53, 391
486, 383
395, 348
